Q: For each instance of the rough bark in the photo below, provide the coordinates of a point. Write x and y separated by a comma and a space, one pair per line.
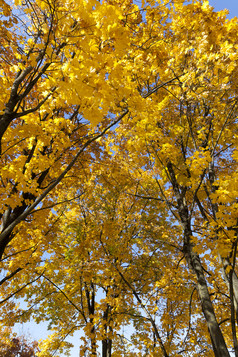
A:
194, 263
107, 342
90, 295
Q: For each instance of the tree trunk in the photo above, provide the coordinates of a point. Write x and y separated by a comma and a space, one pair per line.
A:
217, 339
194, 263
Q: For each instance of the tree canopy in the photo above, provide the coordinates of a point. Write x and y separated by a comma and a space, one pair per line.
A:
118, 179
17, 346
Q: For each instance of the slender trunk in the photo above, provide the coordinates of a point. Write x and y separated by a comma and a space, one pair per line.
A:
107, 347
225, 263
107, 341
233, 322
194, 263
230, 278
90, 294
217, 339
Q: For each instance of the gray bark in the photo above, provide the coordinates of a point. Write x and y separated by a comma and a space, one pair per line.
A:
194, 263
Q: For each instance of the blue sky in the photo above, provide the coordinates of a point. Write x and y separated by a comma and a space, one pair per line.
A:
40, 331
231, 5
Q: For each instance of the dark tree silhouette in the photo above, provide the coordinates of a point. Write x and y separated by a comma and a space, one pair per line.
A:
19, 347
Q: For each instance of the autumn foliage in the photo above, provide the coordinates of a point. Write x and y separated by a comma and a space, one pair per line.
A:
118, 179
12, 345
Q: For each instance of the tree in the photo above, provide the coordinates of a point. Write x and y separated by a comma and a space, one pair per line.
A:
18, 346
50, 72
186, 138
156, 218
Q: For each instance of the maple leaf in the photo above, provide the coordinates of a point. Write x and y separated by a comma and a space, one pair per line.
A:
118, 142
